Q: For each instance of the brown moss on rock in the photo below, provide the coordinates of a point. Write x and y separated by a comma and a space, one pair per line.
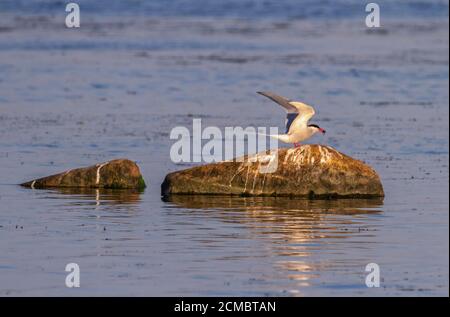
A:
116, 174
313, 171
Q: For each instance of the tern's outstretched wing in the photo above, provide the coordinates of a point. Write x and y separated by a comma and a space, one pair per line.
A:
285, 103
298, 113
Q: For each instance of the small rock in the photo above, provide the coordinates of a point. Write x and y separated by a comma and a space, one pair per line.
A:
116, 174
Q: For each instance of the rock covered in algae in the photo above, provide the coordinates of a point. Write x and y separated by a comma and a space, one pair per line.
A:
313, 171
116, 174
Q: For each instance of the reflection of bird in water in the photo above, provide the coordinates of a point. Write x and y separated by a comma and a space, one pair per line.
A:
298, 115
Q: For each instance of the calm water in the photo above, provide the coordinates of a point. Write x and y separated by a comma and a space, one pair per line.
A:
136, 69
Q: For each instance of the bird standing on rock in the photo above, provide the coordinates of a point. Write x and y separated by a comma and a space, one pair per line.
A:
298, 115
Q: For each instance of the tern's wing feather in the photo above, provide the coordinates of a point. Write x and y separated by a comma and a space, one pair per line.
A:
284, 102
306, 112
290, 117
301, 121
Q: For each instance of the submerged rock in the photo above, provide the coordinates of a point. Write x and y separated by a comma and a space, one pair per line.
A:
116, 174
313, 171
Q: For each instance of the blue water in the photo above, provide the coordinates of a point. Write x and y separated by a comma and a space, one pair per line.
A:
136, 69
253, 9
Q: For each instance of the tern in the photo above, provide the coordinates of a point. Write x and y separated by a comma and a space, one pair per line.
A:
297, 118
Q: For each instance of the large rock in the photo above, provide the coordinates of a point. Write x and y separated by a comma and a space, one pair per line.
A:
313, 171
116, 174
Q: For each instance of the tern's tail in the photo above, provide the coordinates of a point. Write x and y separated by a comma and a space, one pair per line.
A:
281, 137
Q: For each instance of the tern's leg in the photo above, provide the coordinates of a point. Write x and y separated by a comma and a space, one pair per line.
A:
297, 144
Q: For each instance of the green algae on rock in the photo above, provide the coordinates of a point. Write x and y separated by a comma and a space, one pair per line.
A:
116, 174
313, 171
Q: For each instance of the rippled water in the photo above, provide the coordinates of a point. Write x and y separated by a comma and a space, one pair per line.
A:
118, 85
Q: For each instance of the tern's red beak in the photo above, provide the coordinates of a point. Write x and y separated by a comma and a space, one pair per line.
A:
322, 130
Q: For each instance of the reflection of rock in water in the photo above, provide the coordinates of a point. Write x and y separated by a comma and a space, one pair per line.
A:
102, 196
295, 220
298, 230
278, 204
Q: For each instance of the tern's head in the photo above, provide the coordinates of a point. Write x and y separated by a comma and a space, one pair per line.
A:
316, 128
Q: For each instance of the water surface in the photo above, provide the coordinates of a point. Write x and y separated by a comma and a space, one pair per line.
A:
118, 85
